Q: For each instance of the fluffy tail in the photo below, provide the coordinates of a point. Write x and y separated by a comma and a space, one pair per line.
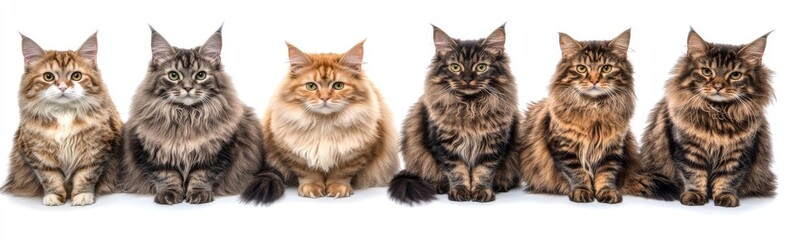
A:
408, 188
652, 185
267, 187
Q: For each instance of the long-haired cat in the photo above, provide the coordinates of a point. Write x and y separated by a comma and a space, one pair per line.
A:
189, 138
460, 137
710, 134
328, 126
68, 143
578, 142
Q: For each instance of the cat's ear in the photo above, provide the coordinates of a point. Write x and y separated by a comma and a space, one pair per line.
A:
297, 58
495, 41
620, 44
569, 46
31, 50
697, 47
444, 43
353, 58
160, 48
90, 48
212, 48
752, 53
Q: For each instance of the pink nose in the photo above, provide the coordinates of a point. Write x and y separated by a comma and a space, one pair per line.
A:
325, 99
62, 87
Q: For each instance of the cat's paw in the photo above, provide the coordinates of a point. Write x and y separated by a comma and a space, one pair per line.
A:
52, 199
442, 187
726, 200
83, 199
608, 195
168, 197
312, 190
459, 194
339, 190
693, 198
581, 195
483, 194
199, 196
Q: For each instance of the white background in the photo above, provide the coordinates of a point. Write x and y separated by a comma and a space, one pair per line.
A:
397, 52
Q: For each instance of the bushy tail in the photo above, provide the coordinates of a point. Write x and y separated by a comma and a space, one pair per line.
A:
408, 188
651, 185
267, 187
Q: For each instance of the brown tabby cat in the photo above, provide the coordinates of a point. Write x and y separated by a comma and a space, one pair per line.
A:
578, 141
460, 138
709, 134
68, 141
328, 126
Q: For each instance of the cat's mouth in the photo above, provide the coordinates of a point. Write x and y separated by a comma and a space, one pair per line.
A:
718, 97
188, 99
593, 91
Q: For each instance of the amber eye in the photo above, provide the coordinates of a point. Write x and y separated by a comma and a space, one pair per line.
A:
735, 75
454, 67
311, 86
482, 67
706, 72
76, 76
200, 75
173, 75
338, 85
606, 68
48, 76
580, 68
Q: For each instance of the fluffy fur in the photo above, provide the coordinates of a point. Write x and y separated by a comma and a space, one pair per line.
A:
460, 137
709, 134
68, 141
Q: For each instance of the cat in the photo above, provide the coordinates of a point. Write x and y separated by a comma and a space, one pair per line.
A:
710, 133
328, 127
189, 138
68, 143
460, 137
577, 141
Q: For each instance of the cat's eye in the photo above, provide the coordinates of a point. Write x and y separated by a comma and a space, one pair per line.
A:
338, 85
311, 86
606, 68
76, 76
482, 67
580, 68
735, 75
706, 72
48, 76
200, 75
454, 67
173, 75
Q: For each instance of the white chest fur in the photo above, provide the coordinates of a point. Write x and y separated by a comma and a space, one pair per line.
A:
64, 136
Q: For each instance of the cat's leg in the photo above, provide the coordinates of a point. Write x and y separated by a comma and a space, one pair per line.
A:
84, 181
568, 163
51, 178
169, 185
338, 179
200, 185
692, 164
442, 186
312, 183
606, 176
728, 174
459, 177
482, 178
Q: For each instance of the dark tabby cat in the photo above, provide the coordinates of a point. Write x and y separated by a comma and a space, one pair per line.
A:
189, 137
578, 142
460, 137
709, 134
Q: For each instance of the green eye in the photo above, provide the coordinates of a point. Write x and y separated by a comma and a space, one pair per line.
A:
580, 68
482, 67
454, 67
173, 75
200, 75
606, 68
312, 86
48, 76
338, 85
735, 75
706, 72
76, 76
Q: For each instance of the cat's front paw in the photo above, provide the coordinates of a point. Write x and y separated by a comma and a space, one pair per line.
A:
83, 199
581, 195
199, 196
442, 187
168, 197
459, 194
312, 190
52, 199
693, 198
608, 195
483, 194
339, 190
726, 200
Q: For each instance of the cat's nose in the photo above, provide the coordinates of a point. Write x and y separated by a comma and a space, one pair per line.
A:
325, 99
718, 86
188, 89
62, 87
